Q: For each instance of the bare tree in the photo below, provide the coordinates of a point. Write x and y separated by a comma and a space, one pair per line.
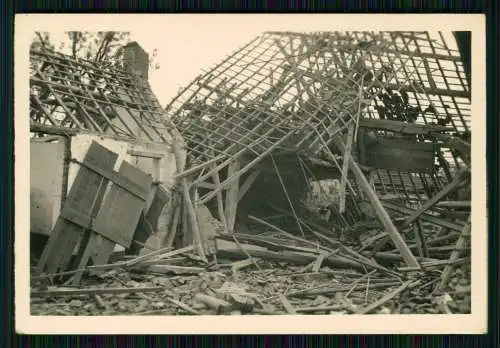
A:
103, 47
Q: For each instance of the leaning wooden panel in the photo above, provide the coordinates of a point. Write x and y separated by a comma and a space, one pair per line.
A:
81, 199
121, 209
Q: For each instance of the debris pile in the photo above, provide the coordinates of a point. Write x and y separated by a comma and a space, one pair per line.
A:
321, 173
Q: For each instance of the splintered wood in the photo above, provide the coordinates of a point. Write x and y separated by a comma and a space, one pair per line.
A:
314, 173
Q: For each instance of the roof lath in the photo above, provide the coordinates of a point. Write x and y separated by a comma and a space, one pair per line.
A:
73, 94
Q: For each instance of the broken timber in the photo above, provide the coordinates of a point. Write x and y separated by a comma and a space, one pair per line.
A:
380, 211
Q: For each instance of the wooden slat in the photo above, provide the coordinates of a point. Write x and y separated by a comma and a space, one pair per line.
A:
58, 98
122, 181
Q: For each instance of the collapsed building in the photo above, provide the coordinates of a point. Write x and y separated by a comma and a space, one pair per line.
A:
247, 147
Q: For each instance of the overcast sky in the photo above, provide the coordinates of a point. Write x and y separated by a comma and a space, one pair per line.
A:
186, 44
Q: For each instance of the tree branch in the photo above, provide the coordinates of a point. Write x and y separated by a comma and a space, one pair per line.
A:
101, 52
75, 40
40, 37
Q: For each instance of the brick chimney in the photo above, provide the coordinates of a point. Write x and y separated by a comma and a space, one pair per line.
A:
136, 60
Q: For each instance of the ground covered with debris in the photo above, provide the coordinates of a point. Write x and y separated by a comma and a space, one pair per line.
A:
178, 283
307, 173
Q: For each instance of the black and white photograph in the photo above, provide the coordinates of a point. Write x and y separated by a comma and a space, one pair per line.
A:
247, 171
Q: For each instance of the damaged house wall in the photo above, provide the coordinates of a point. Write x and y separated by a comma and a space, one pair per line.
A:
46, 184
127, 120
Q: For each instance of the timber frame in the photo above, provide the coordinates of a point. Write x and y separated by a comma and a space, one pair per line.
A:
322, 95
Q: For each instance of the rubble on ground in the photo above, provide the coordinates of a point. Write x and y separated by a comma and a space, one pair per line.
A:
305, 174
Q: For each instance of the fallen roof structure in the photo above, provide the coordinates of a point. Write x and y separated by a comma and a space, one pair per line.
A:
386, 115
393, 107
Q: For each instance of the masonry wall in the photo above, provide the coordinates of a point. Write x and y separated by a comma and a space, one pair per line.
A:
47, 160
46, 184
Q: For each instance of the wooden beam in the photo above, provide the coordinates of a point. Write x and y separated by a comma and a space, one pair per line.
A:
448, 189
418, 231
382, 214
207, 185
345, 167
220, 203
194, 169
402, 127
147, 154
247, 167
188, 204
460, 245
454, 204
231, 206
424, 217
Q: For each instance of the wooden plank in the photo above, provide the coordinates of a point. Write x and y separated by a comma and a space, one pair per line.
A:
401, 155
231, 205
456, 143
286, 304
159, 201
207, 185
120, 180
58, 98
432, 91
420, 238
82, 198
361, 146
220, 202
247, 167
142, 232
454, 204
120, 211
102, 252
401, 127
72, 242
100, 291
318, 263
188, 204
84, 256
194, 169
176, 214
382, 214
165, 269
147, 154
291, 236
231, 250
345, 167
